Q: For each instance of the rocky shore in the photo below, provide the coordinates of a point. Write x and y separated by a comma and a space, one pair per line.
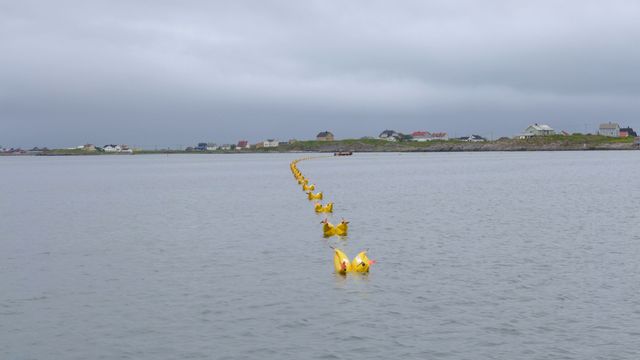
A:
554, 143
544, 143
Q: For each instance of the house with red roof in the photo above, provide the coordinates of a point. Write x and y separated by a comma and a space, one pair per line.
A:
242, 144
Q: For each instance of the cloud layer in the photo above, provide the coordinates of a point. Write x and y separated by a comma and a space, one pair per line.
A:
177, 72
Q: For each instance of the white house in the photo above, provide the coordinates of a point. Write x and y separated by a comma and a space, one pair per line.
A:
473, 138
537, 130
112, 148
211, 147
609, 129
270, 143
117, 148
389, 135
439, 136
421, 136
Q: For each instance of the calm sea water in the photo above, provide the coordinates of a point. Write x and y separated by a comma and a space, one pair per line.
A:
480, 256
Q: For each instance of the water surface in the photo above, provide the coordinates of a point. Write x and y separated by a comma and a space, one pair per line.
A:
480, 256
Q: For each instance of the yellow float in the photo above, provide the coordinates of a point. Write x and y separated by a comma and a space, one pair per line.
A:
306, 187
328, 229
312, 196
341, 229
326, 208
360, 264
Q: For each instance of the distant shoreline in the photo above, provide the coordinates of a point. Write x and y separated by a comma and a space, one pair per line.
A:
542, 143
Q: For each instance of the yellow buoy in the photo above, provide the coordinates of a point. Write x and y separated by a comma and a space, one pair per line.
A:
306, 187
327, 228
342, 228
341, 262
326, 208
360, 264
313, 196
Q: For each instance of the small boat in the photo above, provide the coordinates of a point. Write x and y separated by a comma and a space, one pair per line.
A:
343, 153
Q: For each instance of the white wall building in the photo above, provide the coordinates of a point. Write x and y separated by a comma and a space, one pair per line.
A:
609, 129
537, 130
270, 143
117, 148
389, 135
112, 148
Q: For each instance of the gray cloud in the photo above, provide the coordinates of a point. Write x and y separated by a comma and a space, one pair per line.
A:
169, 72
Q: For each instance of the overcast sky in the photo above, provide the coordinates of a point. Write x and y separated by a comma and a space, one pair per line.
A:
170, 73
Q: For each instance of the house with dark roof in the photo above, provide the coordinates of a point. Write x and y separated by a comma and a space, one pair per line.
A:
627, 131
270, 143
324, 136
390, 135
473, 138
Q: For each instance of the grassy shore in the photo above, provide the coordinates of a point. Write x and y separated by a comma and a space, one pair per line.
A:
541, 143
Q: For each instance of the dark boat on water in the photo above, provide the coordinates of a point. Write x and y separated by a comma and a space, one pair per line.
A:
343, 153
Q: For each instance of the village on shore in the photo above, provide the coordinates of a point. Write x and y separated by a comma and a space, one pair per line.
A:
608, 130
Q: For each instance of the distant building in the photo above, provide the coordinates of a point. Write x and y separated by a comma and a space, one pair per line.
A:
117, 148
89, 147
390, 135
537, 130
428, 136
201, 146
225, 147
324, 136
473, 138
283, 143
439, 136
242, 144
270, 143
421, 136
211, 147
609, 129
629, 131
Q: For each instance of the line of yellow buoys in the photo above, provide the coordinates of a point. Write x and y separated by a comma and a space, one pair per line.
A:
342, 265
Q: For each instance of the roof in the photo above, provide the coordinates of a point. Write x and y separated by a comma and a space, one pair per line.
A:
324, 134
610, 126
420, 134
541, 127
388, 133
